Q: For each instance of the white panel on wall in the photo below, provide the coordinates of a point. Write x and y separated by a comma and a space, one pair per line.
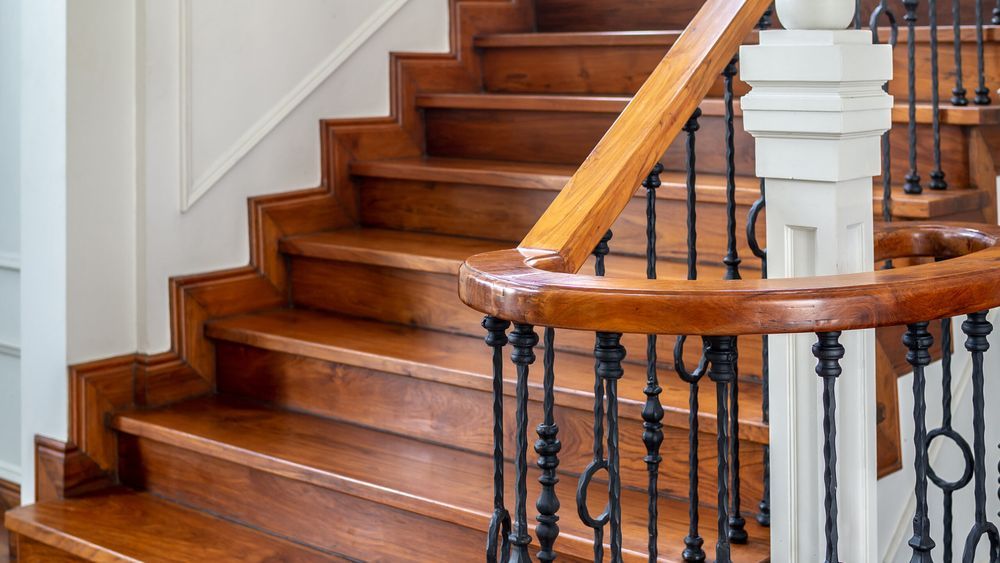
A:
10, 414
254, 107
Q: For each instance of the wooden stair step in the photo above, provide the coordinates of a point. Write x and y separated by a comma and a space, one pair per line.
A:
710, 107
127, 526
436, 482
463, 361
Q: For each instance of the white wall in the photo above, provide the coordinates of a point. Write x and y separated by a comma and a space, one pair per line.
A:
10, 241
233, 94
43, 227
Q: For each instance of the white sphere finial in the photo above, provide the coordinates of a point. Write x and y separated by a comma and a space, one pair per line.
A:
815, 14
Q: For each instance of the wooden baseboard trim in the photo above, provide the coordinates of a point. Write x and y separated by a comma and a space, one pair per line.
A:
63, 470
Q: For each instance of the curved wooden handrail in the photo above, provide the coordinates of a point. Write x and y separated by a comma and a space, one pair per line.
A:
598, 192
507, 284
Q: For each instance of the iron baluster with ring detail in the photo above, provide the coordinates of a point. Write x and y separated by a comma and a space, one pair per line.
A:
977, 329
547, 447
609, 354
693, 543
599, 462
500, 528
946, 430
828, 352
764, 507
652, 411
722, 358
523, 339
918, 341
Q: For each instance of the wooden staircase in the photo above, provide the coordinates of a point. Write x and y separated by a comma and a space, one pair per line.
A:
329, 401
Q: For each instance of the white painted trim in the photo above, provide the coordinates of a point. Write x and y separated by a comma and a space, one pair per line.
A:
194, 189
12, 350
10, 261
10, 472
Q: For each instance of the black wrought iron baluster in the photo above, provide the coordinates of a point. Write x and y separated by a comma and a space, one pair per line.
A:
918, 341
652, 411
937, 174
764, 507
609, 354
912, 184
523, 339
499, 531
722, 358
977, 329
946, 430
996, 14
958, 93
547, 447
857, 14
694, 551
765, 20
982, 92
880, 11
828, 352
737, 525
599, 462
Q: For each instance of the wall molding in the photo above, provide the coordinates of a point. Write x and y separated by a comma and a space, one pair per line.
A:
12, 350
10, 472
193, 189
10, 261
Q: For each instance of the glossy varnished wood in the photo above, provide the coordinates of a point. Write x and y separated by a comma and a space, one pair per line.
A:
442, 484
126, 526
492, 284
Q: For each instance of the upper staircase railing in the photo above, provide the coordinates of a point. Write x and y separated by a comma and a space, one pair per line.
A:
538, 284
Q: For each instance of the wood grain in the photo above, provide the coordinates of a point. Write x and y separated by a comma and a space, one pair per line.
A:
492, 284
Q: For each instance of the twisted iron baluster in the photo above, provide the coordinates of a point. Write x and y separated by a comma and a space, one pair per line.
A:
937, 174
737, 525
523, 339
828, 352
947, 431
609, 354
547, 447
857, 14
652, 411
721, 353
693, 543
496, 338
765, 20
976, 329
912, 185
996, 14
764, 514
982, 92
883, 10
599, 462
918, 340
958, 92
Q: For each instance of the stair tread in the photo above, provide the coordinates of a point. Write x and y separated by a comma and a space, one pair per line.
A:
465, 361
434, 481
581, 103
123, 525
711, 187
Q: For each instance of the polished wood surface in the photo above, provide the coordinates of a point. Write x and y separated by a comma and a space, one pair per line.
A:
505, 284
10, 498
442, 483
641, 133
126, 526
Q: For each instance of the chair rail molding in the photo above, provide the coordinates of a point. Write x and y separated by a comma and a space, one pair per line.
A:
193, 187
10, 261
9, 472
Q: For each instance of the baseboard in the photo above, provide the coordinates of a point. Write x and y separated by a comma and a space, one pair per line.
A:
10, 495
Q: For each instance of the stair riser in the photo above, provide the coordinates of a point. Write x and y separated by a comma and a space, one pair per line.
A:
430, 300
622, 69
442, 413
509, 213
631, 15
313, 515
31, 551
568, 137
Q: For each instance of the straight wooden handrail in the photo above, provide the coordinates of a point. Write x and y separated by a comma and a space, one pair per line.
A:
598, 192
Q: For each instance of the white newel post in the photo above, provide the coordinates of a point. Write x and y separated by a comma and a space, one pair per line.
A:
817, 111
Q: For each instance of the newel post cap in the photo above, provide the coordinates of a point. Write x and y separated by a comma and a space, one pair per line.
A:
815, 14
